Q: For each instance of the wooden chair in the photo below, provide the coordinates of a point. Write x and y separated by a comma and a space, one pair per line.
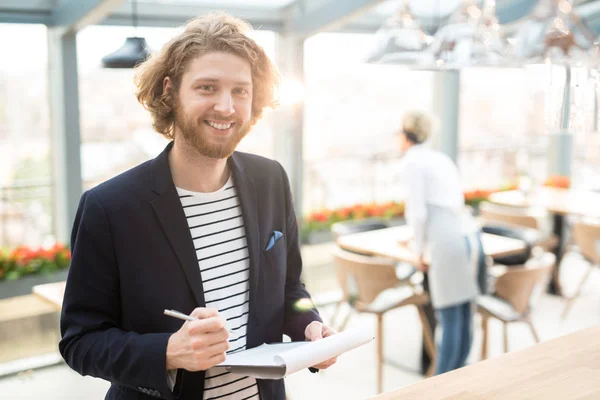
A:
370, 285
518, 217
586, 236
511, 301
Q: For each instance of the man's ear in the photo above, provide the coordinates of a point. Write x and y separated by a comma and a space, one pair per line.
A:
167, 85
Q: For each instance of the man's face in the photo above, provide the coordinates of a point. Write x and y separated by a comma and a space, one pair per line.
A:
214, 104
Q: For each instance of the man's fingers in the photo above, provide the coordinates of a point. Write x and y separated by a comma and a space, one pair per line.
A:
211, 324
327, 331
216, 337
202, 312
314, 331
219, 348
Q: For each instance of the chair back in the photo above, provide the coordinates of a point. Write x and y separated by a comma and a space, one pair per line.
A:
517, 284
586, 235
363, 278
514, 216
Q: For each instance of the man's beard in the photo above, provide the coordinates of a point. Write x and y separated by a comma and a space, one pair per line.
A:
195, 134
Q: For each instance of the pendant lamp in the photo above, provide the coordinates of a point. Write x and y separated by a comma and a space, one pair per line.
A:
400, 40
554, 33
472, 37
134, 51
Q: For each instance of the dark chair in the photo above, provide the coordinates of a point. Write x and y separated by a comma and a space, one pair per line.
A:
528, 235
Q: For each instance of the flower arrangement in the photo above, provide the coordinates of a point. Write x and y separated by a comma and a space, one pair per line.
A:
558, 181
23, 261
474, 197
322, 220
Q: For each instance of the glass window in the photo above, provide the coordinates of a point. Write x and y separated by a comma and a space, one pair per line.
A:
352, 112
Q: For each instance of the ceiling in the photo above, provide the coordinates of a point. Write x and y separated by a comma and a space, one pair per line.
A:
302, 17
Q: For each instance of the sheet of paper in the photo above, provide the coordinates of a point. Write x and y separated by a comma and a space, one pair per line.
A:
261, 356
275, 361
316, 352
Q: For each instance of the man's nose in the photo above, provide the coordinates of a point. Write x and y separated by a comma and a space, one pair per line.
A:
224, 105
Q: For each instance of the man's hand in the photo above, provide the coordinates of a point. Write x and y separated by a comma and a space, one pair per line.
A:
421, 265
315, 331
199, 345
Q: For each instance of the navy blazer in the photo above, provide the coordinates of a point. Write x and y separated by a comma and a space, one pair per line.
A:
133, 257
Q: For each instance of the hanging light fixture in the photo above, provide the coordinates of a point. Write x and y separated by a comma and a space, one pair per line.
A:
134, 51
400, 40
554, 33
472, 37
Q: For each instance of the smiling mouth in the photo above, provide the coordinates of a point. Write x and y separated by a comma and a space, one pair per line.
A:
221, 126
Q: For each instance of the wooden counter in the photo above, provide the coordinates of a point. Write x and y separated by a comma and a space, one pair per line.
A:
560, 369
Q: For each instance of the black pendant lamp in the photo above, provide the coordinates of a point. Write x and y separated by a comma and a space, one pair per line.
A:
134, 51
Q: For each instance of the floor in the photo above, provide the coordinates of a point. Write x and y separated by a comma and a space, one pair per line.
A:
353, 377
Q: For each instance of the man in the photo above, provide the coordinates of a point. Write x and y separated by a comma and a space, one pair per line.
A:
200, 229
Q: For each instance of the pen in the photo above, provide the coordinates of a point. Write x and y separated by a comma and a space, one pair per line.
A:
180, 315
185, 317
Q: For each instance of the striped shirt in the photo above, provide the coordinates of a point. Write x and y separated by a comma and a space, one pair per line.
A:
217, 228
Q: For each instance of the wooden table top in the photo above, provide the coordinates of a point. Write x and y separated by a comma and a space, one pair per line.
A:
558, 201
53, 293
563, 368
388, 243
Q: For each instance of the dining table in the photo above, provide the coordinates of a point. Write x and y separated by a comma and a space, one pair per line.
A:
560, 203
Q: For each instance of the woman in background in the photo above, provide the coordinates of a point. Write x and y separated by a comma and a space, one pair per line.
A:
435, 210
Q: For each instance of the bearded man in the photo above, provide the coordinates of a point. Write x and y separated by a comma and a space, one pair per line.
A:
201, 229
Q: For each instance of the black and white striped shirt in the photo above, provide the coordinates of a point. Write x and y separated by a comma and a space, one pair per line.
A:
217, 228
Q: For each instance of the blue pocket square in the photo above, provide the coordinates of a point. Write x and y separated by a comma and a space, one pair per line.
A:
274, 239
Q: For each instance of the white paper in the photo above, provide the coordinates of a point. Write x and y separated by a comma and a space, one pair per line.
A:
275, 361
261, 356
322, 350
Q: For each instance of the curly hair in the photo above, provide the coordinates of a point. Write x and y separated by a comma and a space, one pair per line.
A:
207, 33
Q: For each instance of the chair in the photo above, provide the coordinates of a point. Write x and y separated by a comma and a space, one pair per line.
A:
586, 235
369, 285
511, 301
533, 233
527, 235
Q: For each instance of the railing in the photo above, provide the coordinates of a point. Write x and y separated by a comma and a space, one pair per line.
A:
352, 179
26, 212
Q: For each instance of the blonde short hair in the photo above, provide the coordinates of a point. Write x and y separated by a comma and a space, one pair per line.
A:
417, 126
212, 32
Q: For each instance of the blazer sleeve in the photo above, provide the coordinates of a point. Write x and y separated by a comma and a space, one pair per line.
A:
92, 341
296, 318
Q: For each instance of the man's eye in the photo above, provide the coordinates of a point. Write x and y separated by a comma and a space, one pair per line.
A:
206, 88
243, 92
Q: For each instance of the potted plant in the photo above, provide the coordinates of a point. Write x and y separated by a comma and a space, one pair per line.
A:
24, 267
316, 227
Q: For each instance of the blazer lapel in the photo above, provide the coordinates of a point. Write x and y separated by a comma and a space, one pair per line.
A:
246, 191
171, 217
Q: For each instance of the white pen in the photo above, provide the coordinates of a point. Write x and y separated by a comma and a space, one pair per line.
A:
185, 317
180, 315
